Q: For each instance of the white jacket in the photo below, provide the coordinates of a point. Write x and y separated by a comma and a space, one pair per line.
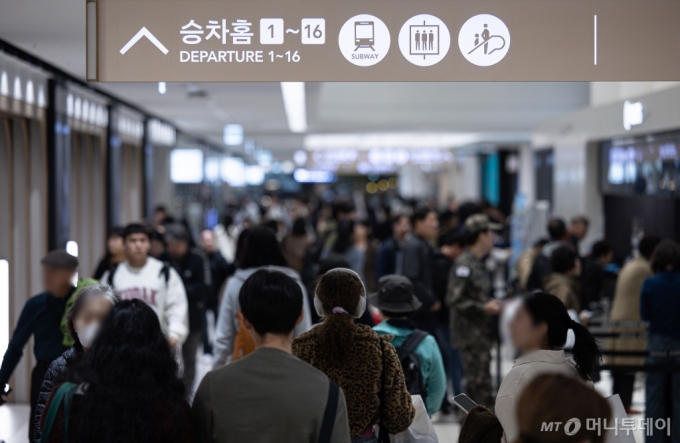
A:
523, 371
227, 321
167, 299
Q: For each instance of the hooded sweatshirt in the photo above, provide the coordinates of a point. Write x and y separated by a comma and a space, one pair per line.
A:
227, 323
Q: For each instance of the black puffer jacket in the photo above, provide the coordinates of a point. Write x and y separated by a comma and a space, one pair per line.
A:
55, 375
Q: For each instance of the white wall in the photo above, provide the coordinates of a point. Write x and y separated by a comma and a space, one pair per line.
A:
604, 93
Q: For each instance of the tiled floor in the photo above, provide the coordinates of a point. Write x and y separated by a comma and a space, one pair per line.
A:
14, 418
14, 423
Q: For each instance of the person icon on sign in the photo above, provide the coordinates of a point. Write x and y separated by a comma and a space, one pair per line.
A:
417, 40
431, 40
476, 40
485, 37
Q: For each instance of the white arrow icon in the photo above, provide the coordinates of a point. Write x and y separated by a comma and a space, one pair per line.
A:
138, 36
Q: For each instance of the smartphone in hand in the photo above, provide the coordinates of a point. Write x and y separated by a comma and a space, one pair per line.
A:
464, 402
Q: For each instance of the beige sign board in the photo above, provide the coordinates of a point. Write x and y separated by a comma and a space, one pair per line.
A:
383, 40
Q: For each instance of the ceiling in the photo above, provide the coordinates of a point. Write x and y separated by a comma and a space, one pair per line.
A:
55, 30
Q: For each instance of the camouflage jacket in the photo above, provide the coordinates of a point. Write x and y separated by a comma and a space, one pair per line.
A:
468, 291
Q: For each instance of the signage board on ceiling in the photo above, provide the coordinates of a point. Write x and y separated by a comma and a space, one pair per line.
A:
382, 40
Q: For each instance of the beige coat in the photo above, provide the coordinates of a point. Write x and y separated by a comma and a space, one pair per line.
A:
626, 307
523, 371
565, 288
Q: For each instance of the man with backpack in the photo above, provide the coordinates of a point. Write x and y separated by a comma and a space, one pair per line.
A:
418, 352
154, 282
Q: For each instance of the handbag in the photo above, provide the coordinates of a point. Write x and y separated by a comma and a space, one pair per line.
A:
63, 395
421, 429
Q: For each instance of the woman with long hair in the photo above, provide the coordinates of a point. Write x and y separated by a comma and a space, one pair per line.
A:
130, 390
539, 331
115, 252
660, 306
355, 245
555, 398
83, 321
356, 358
261, 250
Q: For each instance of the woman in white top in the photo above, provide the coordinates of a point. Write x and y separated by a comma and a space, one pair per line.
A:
539, 331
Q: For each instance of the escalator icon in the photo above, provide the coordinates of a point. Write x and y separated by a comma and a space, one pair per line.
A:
490, 43
484, 40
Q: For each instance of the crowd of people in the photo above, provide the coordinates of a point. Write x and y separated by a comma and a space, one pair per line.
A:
327, 323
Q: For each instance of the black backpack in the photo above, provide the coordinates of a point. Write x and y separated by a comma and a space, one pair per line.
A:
410, 363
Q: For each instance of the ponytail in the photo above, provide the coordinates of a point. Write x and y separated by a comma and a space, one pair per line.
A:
339, 294
548, 309
586, 351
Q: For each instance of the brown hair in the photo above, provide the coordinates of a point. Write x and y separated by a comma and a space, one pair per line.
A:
552, 398
338, 290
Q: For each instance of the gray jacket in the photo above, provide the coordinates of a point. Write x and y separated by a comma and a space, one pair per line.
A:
227, 322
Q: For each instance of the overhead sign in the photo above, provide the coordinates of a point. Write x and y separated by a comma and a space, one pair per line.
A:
382, 40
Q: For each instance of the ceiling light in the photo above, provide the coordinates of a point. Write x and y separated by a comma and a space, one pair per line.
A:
186, 166
232, 135
295, 104
300, 157
254, 175
414, 140
162, 88
287, 167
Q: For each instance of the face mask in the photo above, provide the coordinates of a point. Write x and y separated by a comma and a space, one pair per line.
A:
87, 334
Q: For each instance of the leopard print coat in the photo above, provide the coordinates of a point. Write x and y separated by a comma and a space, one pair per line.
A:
361, 379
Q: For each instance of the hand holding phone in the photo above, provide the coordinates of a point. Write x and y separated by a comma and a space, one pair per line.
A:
464, 402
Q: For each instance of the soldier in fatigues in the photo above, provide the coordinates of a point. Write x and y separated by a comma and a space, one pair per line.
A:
469, 299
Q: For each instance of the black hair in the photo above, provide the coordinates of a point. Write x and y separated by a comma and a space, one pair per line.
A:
271, 301
89, 292
470, 238
178, 233
241, 246
563, 259
115, 231
261, 248
155, 235
540, 243
557, 229
227, 220
343, 240
342, 206
420, 214
451, 238
299, 227
134, 228
548, 309
647, 245
130, 377
666, 255
467, 209
397, 218
272, 225
160, 208
600, 249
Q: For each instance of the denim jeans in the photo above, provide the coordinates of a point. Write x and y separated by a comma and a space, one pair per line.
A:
662, 389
